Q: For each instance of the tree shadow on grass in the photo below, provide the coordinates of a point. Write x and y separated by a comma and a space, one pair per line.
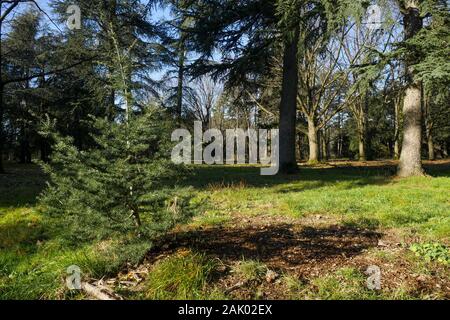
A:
283, 246
21, 186
206, 176
312, 177
439, 169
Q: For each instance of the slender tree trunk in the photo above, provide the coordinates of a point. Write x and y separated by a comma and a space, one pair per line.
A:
428, 127
431, 153
396, 150
397, 130
313, 142
111, 113
288, 106
2, 141
362, 148
2, 88
410, 158
339, 140
362, 140
181, 58
362, 127
324, 145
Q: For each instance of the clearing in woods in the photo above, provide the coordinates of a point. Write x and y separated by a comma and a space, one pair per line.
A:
308, 236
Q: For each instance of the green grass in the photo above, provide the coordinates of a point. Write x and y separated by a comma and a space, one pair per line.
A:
34, 255
365, 197
250, 270
344, 284
183, 276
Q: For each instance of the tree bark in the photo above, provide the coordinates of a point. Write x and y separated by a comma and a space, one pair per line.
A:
324, 145
2, 88
181, 58
313, 142
431, 153
362, 121
410, 158
299, 145
288, 106
362, 139
362, 147
429, 127
397, 129
2, 141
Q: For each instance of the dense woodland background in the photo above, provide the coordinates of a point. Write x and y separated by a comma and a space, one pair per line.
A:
337, 87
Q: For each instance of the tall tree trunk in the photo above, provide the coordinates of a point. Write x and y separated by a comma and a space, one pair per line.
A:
2, 88
2, 141
397, 129
288, 106
431, 153
362, 148
181, 58
339, 140
362, 139
362, 127
396, 150
313, 142
324, 145
299, 145
410, 158
428, 127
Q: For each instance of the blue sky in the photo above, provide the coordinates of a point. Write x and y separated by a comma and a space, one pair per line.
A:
45, 5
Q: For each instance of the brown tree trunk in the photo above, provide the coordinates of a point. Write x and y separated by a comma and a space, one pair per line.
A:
396, 150
362, 148
340, 138
410, 158
431, 153
313, 142
397, 129
2, 169
362, 127
429, 127
181, 59
2, 88
362, 139
288, 106
299, 145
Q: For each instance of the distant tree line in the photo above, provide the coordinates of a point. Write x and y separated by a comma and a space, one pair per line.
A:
337, 87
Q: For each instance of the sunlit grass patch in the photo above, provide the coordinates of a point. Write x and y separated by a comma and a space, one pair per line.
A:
250, 270
180, 277
344, 284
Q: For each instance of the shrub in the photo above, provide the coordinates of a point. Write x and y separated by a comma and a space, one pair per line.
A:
124, 184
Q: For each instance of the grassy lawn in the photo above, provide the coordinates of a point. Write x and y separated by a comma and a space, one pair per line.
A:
307, 236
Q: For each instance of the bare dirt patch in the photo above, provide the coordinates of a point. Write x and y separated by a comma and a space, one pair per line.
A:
301, 248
